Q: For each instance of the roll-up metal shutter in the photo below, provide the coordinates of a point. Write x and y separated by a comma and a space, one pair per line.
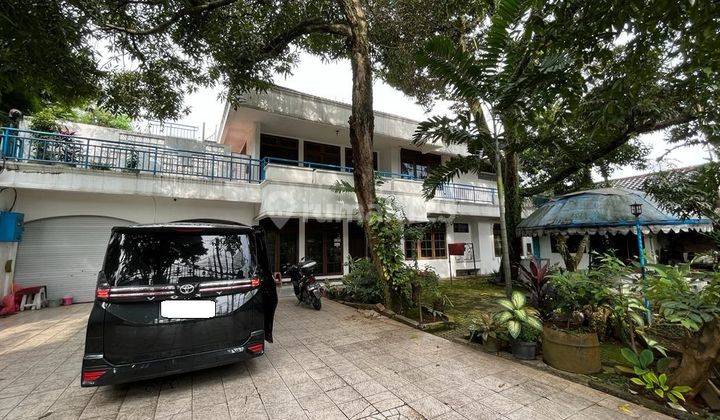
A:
64, 254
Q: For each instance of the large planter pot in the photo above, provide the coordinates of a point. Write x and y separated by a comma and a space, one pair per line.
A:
524, 350
575, 352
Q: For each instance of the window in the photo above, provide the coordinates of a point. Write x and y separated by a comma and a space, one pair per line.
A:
323, 244
349, 159
279, 147
324, 154
282, 243
461, 228
414, 164
432, 244
149, 258
497, 240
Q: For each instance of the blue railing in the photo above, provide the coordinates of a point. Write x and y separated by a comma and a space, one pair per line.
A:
451, 191
90, 153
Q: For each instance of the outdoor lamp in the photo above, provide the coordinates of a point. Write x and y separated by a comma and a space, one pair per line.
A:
636, 210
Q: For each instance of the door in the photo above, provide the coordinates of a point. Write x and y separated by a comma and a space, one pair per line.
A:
64, 254
323, 244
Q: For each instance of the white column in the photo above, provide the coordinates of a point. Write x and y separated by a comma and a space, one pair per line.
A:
301, 238
395, 160
346, 246
301, 150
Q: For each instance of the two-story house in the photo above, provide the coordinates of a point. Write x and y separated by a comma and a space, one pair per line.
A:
274, 164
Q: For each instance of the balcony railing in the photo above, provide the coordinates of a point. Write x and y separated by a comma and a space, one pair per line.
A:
451, 191
169, 129
89, 153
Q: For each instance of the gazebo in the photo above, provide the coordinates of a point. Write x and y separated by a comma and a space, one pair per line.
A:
605, 216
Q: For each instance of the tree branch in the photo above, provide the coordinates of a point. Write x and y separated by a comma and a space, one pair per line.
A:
281, 41
211, 5
601, 152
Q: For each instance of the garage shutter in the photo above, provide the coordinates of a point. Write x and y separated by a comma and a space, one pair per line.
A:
64, 254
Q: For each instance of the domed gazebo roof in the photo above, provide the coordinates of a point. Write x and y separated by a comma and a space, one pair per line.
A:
604, 211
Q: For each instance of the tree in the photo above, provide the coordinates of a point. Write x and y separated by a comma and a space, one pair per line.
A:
177, 45
575, 84
45, 56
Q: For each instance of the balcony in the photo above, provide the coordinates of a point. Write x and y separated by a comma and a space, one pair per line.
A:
26, 146
294, 188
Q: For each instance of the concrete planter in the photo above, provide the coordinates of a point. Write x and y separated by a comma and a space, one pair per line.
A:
575, 352
524, 350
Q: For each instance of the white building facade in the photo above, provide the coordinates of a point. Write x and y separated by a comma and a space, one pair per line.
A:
274, 164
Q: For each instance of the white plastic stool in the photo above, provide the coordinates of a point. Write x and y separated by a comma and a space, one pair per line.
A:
36, 301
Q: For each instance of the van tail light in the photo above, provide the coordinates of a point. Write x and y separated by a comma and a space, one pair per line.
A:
102, 293
256, 348
255, 282
92, 375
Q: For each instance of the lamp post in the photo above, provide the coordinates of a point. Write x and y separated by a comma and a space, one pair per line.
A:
636, 210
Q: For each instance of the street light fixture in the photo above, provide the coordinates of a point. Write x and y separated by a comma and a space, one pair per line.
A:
636, 210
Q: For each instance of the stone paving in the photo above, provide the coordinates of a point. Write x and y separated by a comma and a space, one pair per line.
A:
334, 364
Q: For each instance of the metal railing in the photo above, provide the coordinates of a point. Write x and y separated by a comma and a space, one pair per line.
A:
466, 192
169, 129
89, 153
451, 191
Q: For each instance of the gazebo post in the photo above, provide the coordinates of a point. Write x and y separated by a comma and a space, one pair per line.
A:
636, 210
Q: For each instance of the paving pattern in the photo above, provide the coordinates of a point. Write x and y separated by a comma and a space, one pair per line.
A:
334, 364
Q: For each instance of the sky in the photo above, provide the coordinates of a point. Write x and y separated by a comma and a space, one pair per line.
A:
333, 80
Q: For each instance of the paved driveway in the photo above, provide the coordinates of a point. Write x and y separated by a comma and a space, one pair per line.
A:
334, 364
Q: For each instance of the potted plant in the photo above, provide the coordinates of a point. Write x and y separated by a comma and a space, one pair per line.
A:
132, 161
570, 339
522, 324
483, 329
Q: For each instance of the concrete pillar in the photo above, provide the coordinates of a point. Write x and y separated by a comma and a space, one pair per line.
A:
346, 246
395, 160
301, 238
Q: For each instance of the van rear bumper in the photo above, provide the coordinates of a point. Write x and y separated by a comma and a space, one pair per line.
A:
96, 371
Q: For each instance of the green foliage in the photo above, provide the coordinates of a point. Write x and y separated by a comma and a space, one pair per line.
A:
483, 325
580, 292
362, 283
103, 118
49, 118
641, 363
666, 282
688, 193
516, 317
657, 385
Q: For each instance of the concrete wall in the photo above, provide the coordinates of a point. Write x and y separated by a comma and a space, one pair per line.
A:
37, 204
8, 252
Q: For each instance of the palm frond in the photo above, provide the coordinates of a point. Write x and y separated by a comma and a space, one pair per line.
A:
457, 69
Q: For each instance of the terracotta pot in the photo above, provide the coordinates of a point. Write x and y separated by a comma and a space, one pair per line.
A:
575, 352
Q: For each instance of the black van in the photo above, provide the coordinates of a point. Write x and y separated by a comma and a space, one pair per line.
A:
178, 297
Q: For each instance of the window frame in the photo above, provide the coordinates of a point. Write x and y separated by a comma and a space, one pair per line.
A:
466, 228
432, 246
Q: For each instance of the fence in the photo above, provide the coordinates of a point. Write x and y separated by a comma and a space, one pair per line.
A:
81, 152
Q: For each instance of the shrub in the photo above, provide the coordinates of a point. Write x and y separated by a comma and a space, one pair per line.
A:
363, 283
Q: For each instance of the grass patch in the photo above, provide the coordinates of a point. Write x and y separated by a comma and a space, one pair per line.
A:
469, 296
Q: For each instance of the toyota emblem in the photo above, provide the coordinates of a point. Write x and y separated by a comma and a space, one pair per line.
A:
186, 289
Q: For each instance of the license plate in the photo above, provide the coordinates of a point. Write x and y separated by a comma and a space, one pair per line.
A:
187, 309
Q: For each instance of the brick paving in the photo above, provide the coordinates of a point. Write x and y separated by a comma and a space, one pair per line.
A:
338, 363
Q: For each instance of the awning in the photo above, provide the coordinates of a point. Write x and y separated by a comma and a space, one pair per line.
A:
604, 211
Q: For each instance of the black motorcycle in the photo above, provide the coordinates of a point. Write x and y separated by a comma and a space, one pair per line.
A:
306, 288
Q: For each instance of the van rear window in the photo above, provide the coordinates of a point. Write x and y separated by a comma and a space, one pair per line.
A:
177, 257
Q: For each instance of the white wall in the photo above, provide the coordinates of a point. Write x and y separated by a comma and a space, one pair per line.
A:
36, 204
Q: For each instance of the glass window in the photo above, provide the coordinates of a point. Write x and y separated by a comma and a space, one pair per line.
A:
497, 240
282, 242
432, 245
323, 244
146, 258
323, 154
415, 164
279, 147
461, 227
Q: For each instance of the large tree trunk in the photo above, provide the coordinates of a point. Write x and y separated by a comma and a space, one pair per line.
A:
362, 124
699, 354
